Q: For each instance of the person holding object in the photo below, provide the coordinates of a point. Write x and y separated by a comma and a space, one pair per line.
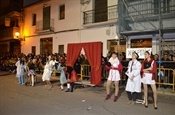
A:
133, 86
114, 75
149, 69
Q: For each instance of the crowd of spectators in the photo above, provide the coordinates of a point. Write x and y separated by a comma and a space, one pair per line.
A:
7, 61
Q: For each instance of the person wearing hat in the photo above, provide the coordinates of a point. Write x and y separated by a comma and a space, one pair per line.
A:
133, 86
114, 68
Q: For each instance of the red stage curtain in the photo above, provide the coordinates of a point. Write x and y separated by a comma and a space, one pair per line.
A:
93, 52
73, 51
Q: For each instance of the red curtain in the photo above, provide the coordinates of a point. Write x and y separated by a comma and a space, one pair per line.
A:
73, 51
93, 52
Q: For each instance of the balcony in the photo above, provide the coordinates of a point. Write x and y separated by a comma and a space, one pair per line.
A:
91, 17
8, 33
43, 27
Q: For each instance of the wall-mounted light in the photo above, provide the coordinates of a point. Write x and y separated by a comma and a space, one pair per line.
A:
17, 34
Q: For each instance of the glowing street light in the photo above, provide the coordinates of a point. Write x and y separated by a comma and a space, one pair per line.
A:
17, 34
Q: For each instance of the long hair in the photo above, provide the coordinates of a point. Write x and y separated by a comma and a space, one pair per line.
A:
151, 55
21, 61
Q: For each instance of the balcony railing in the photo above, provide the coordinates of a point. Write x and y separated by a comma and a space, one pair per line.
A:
47, 26
91, 17
8, 32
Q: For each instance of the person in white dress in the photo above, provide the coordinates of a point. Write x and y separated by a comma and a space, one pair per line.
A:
149, 69
114, 75
133, 86
48, 69
20, 70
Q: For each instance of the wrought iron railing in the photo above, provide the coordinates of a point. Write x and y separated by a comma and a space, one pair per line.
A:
41, 27
90, 16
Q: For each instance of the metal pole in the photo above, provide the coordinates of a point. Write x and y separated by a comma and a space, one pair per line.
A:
160, 36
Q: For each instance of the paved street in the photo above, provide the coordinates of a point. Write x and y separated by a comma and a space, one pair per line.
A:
25, 100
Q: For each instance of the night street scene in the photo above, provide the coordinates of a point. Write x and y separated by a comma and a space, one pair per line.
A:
87, 57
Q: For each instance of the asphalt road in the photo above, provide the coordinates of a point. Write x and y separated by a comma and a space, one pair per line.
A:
25, 100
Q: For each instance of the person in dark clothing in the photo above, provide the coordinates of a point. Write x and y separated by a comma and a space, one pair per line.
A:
165, 58
77, 65
71, 78
31, 71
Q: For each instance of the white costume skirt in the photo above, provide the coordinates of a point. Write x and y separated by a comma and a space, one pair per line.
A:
133, 85
46, 75
147, 79
114, 75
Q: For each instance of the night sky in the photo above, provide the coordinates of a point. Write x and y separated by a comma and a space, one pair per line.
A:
29, 2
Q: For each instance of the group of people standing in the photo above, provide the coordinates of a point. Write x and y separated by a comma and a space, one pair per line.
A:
137, 74
67, 73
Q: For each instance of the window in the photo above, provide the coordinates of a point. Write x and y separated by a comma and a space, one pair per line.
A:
101, 10
33, 49
33, 19
156, 6
62, 12
61, 49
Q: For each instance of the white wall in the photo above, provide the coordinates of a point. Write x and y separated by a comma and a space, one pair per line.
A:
98, 34
64, 39
71, 21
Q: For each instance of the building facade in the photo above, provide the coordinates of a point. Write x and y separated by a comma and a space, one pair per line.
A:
11, 22
49, 25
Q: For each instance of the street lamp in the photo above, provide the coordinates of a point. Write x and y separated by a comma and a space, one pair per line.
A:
17, 34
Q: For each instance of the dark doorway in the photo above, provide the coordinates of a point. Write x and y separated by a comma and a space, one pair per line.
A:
15, 47
46, 45
34, 50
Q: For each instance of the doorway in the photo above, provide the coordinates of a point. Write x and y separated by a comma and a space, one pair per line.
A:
46, 45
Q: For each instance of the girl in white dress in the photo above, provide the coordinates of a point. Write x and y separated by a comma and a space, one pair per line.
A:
114, 75
133, 86
48, 69
149, 69
20, 70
